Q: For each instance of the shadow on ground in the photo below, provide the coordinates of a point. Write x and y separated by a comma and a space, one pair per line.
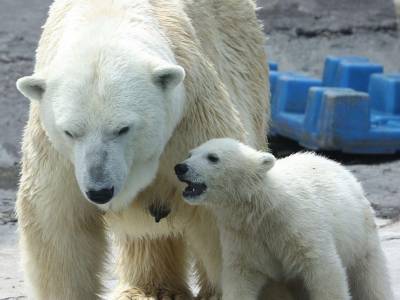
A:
282, 147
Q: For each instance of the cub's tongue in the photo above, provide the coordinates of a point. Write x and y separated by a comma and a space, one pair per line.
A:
194, 189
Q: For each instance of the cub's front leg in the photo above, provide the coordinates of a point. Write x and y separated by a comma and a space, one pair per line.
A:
325, 278
241, 283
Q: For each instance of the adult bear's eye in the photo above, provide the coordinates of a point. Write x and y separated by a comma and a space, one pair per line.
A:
69, 134
123, 130
213, 158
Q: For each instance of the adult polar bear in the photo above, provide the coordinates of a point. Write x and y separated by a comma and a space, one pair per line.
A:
110, 116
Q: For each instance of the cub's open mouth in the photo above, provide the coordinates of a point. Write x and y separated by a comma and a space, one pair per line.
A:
194, 189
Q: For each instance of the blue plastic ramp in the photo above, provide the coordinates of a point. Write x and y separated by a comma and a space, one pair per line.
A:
355, 108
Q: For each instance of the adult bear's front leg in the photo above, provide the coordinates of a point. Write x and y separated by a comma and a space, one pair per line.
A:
62, 261
153, 269
62, 236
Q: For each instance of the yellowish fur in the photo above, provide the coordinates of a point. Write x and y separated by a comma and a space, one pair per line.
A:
220, 46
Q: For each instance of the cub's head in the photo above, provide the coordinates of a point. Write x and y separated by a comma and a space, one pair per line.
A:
222, 169
110, 109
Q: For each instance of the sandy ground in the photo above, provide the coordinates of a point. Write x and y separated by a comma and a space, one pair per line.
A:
301, 33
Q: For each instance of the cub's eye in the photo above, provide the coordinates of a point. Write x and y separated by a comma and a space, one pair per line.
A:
189, 155
213, 158
123, 130
69, 134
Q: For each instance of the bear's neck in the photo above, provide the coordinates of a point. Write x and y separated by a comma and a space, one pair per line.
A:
240, 208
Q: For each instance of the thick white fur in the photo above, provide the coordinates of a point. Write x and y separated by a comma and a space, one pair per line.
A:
98, 69
306, 217
92, 90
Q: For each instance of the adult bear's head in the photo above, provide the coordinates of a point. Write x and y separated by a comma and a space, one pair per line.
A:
110, 107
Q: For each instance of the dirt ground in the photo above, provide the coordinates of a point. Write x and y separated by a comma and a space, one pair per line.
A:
397, 3
300, 34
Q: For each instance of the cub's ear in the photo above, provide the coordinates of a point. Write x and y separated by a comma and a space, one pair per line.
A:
267, 161
32, 87
169, 76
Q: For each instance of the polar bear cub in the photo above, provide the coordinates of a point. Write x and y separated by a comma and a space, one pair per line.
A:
303, 217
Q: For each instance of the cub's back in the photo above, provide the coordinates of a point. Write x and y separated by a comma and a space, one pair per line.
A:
318, 173
327, 195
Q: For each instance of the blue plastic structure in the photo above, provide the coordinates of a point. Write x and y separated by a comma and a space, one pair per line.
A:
349, 72
340, 119
330, 114
384, 91
273, 66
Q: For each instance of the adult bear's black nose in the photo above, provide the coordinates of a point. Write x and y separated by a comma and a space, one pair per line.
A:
100, 196
181, 169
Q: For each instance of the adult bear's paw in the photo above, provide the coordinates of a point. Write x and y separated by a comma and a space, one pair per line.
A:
214, 297
134, 294
169, 295
138, 294
209, 297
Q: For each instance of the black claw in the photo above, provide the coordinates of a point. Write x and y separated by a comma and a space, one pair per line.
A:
159, 212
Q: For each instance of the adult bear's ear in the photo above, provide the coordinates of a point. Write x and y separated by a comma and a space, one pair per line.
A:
32, 87
169, 76
267, 161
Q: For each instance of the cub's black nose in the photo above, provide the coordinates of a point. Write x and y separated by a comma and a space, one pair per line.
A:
100, 196
181, 169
